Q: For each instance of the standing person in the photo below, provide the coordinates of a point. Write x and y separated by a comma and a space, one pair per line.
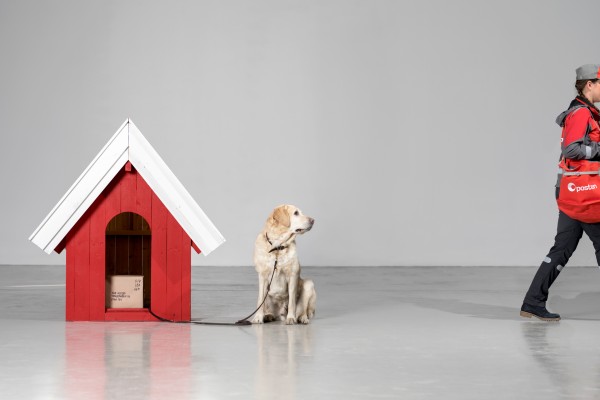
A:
580, 141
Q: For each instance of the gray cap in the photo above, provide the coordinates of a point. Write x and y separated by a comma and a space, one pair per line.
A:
588, 71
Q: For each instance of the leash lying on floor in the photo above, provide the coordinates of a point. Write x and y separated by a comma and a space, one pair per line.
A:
244, 321
241, 322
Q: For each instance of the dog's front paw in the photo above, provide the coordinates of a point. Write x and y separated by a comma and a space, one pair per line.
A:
258, 319
290, 321
303, 319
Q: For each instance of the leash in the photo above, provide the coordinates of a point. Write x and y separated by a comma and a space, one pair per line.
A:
244, 321
241, 322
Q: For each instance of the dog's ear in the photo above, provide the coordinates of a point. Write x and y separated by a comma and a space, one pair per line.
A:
281, 216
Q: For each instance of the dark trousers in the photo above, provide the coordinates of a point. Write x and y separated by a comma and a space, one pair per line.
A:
568, 233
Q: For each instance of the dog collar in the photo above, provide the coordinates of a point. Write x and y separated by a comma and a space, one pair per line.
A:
274, 248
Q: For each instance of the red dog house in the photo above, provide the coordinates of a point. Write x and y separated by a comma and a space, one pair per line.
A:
127, 216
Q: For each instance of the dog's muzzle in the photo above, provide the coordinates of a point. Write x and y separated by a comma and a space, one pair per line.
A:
311, 222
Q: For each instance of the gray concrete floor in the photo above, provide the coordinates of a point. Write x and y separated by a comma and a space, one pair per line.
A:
410, 333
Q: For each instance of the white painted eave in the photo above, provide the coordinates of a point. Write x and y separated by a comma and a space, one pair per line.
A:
172, 193
127, 144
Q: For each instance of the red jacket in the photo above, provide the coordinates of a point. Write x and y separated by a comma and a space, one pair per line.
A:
581, 131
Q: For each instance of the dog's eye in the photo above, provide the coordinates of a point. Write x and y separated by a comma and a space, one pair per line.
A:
296, 213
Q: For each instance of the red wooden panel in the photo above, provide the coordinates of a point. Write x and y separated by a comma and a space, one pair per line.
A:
113, 199
70, 284
129, 314
97, 259
128, 189
143, 206
159, 257
196, 247
170, 255
143, 200
79, 245
186, 278
174, 255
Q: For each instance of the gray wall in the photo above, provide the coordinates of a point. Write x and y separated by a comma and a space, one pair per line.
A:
416, 133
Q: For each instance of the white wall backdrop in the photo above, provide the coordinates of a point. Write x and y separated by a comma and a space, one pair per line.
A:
414, 132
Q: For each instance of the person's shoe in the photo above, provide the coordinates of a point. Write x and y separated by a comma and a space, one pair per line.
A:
529, 311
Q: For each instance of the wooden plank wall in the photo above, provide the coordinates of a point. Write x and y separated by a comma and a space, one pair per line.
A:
170, 255
174, 233
159, 257
81, 260
97, 257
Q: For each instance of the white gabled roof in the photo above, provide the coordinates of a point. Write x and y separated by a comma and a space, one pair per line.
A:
127, 144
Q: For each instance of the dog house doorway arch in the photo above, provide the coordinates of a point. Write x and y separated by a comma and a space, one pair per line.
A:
128, 250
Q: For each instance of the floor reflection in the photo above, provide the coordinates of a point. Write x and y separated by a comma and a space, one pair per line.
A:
564, 372
283, 351
127, 360
545, 353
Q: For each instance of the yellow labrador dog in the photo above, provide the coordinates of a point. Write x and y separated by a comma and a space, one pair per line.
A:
290, 298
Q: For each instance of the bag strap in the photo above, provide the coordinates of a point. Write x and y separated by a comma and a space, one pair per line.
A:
577, 173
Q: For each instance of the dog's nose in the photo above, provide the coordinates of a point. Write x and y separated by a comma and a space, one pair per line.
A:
312, 221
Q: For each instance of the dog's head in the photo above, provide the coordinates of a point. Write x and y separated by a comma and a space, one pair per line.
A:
289, 219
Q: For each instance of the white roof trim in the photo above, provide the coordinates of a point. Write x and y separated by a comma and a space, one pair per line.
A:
127, 144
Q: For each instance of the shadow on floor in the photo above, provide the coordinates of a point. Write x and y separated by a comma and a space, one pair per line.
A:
469, 309
584, 307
